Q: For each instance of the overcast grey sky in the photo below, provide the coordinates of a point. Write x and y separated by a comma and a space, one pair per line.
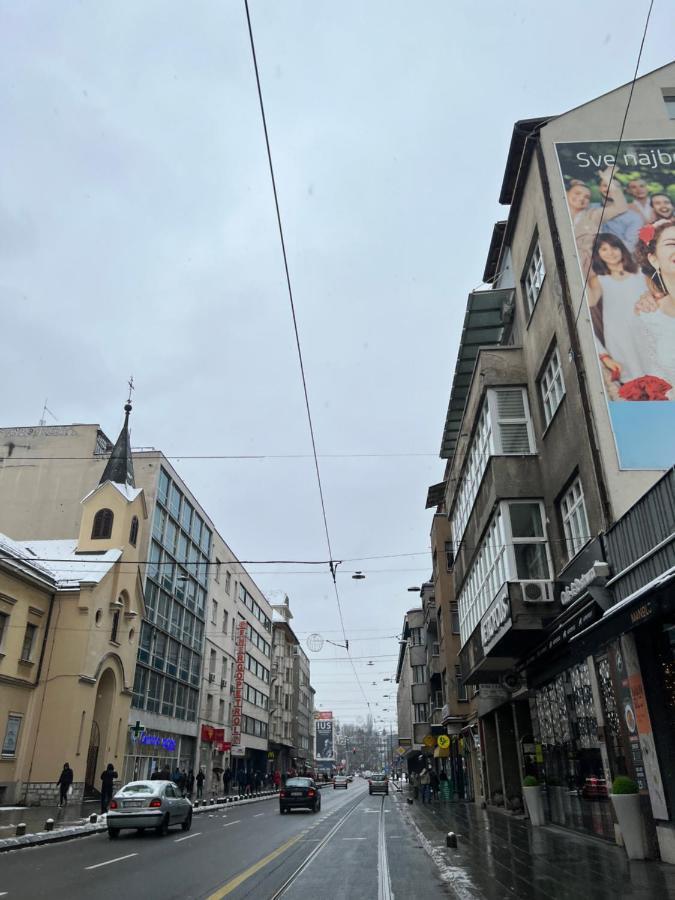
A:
137, 235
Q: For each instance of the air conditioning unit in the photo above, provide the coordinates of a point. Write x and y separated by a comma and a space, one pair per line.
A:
537, 591
222, 682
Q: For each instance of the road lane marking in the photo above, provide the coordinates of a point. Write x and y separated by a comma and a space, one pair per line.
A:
234, 883
187, 837
384, 891
109, 862
257, 815
353, 839
236, 822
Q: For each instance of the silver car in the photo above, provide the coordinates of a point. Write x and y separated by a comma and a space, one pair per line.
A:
148, 804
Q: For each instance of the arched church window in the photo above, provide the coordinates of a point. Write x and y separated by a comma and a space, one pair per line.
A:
103, 522
133, 533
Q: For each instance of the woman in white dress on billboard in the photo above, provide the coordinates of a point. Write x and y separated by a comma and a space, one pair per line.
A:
616, 281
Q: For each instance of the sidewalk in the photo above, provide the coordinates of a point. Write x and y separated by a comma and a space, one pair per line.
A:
500, 856
34, 817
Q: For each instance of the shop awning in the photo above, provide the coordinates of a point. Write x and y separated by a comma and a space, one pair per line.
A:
653, 599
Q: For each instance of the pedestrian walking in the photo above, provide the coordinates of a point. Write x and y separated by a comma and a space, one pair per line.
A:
425, 782
277, 779
227, 778
434, 784
241, 780
64, 784
107, 779
190, 783
200, 784
248, 783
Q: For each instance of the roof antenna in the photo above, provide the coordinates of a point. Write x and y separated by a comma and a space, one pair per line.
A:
46, 409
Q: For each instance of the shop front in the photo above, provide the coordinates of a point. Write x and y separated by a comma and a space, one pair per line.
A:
153, 750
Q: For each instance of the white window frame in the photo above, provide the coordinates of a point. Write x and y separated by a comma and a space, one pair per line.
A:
485, 442
494, 564
552, 385
533, 277
419, 670
574, 518
416, 709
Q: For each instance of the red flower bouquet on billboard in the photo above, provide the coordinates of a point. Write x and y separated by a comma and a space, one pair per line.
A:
646, 387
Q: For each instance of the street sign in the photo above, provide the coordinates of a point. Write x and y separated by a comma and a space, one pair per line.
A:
443, 741
401, 751
429, 741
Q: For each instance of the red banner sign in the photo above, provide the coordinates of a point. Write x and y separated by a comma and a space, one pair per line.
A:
222, 746
240, 668
207, 733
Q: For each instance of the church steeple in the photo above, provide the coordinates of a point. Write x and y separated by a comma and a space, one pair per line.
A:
120, 467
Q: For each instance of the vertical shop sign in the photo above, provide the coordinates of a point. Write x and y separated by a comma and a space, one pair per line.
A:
240, 668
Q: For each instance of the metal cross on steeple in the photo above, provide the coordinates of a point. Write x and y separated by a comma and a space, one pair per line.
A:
130, 382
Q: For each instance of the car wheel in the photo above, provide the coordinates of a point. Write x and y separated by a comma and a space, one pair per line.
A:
113, 833
187, 824
371, 793
163, 828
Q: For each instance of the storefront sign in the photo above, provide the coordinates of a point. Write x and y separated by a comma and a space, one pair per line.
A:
240, 668
238, 751
323, 714
154, 740
598, 571
222, 746
497, 620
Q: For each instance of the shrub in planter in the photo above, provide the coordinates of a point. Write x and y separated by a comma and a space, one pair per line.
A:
626, 802
622, 784
533, 800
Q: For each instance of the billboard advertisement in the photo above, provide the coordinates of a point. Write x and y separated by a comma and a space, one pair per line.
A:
630, 292
323, 729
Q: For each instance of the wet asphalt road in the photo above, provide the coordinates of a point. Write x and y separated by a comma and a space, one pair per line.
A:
358, 847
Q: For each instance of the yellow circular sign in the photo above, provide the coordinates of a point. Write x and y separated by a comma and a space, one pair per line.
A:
443, 741
429, 740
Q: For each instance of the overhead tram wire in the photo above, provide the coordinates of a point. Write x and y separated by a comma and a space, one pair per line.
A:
616, 153
297, 340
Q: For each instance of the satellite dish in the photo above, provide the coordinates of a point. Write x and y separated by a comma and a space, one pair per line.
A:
315, 642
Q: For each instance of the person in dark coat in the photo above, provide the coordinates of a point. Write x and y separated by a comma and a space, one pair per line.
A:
190, 783
227, 778
107, 779
64, 783
200, 783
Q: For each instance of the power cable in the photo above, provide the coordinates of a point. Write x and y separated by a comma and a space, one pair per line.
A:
234, 456
616, 154
297, 334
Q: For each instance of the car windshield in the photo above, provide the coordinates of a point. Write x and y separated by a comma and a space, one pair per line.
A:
299, 782
138, 787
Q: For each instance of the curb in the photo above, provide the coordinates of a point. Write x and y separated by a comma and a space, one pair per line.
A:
40, 838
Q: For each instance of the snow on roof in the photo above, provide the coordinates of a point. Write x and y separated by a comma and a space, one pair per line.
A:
59, 561
126, 490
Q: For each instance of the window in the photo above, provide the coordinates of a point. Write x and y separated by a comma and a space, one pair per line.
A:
140, 683
228, 582
154, 688
669, 100
221, 712
454, 618
133, 531
180, 701
575, 522
159, 650
144, 643
514, 548
163, 488
533, 278
172, 657
224, 621
168, 697
552, 386
449, 556
419, 674
4, 620
218, 565
212, 664
511, 412
462, 695
103, 523
503, 427
28, 642
415, 639
11, 735
420, 712
214, 612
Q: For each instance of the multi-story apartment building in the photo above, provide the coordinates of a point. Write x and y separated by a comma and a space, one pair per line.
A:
292, 713
413, 691
545, 451
43, 473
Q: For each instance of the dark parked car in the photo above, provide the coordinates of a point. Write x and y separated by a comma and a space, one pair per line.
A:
378, 784
148, 804
299, 793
